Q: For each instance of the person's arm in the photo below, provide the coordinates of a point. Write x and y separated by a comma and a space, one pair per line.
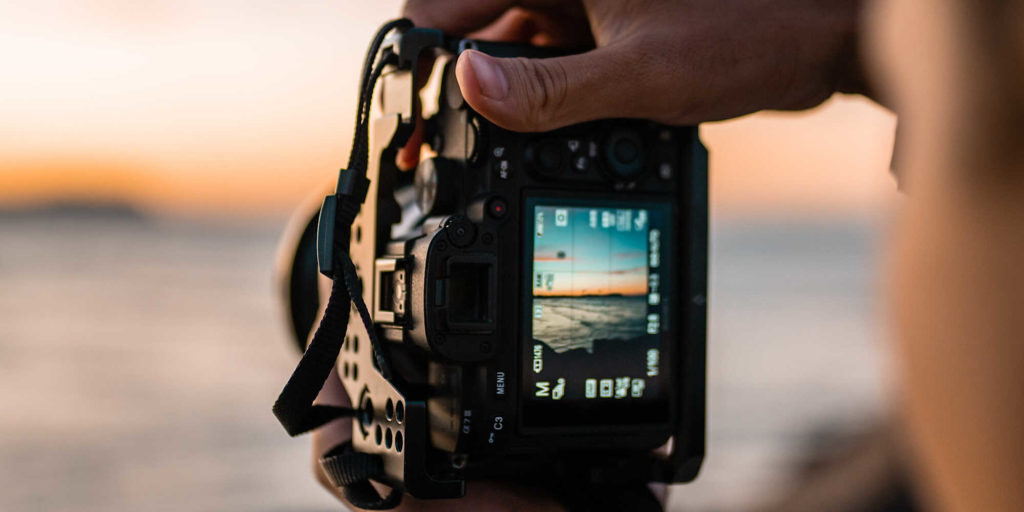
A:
673, 62
955, 71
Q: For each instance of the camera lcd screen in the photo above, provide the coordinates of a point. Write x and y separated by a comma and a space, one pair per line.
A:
599, 292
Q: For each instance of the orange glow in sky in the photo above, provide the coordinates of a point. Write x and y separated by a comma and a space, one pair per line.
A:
245, 108
586, 289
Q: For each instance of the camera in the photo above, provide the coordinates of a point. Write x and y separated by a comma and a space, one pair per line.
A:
539, 298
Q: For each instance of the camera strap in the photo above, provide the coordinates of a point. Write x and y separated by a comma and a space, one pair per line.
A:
294, 407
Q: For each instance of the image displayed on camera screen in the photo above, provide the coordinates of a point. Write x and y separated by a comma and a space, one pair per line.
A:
597, 303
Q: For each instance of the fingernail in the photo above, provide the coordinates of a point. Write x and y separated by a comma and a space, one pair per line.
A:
489, 76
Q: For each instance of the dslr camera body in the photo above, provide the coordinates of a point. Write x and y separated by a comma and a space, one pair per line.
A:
543, 313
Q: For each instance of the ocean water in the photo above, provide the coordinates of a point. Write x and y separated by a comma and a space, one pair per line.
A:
567, 323
139, 360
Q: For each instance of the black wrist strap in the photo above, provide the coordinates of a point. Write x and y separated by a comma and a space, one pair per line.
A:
294, 407
352, 471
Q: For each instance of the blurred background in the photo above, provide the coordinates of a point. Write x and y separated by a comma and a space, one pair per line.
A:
150, 154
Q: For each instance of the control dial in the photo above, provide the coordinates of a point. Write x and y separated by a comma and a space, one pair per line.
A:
624, 153
546, 156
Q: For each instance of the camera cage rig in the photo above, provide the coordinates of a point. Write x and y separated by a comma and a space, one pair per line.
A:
391, 426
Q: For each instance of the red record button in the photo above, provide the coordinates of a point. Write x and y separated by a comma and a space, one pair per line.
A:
497, 207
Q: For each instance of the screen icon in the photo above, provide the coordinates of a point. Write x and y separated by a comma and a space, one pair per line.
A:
621, 387
559, 391
636, 388
623, 220
653, 323
561, 218
640, 221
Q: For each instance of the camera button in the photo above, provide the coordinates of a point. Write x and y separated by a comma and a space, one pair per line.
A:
549, 157
545, 156
497, 207
460, 230
500, 391
624, 153
626, 150
502, 169
495, 430
581, 164
665, 171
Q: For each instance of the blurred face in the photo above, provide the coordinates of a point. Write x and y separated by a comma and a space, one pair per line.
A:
942, 65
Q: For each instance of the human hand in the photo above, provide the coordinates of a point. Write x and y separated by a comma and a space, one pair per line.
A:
670, 61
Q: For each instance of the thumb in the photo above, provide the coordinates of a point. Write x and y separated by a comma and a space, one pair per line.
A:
531, 95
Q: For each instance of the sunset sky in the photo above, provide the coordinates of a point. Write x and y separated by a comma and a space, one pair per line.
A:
579, 256
244, 108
